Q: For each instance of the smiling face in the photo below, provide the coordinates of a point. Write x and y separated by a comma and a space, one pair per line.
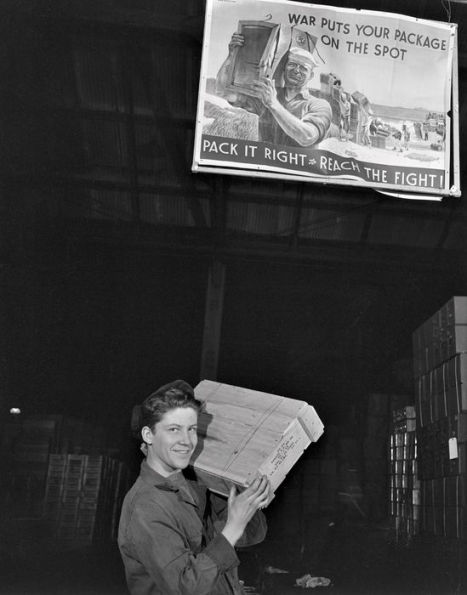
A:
297, 73
173, 440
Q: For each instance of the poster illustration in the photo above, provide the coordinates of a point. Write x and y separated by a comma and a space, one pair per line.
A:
324, 94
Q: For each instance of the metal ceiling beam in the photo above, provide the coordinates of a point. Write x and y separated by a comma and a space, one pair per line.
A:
177, 122
197, 241
151, 13
154, 15
364, 201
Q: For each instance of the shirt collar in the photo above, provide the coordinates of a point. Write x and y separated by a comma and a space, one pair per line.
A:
153, 478
303, 94
148, 475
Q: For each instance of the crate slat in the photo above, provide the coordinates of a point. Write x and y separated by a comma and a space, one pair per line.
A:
243, 432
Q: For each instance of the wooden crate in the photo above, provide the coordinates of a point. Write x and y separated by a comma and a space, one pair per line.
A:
243, 432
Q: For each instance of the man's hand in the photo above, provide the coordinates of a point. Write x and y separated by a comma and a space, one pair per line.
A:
265, 90
237, 40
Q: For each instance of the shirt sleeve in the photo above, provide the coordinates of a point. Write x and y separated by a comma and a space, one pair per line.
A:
166, 554
255, 531
319, 113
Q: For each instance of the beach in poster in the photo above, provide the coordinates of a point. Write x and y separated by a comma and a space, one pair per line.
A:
386, 79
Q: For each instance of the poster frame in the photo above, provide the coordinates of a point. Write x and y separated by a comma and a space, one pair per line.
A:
451, 186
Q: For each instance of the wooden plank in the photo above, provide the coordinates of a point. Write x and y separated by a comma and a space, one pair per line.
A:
244, 432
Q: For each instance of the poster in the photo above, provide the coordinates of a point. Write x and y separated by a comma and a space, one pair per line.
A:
324, 94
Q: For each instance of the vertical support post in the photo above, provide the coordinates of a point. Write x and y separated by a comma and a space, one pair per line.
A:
213, 320
293, 242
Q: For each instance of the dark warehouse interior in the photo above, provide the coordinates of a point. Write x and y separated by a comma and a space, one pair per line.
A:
107, 244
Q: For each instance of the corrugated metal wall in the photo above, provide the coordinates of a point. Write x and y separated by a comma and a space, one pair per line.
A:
104, 104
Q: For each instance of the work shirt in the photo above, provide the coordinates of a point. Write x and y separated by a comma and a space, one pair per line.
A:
303, 106
170, 540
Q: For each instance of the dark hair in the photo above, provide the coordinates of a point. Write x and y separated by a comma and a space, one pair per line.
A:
170, 396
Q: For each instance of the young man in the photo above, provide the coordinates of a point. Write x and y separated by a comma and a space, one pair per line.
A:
288, 114
175, 537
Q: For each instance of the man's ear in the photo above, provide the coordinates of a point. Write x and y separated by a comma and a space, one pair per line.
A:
147, 435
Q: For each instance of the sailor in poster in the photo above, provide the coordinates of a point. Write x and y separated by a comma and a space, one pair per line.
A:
288, 114
295, 88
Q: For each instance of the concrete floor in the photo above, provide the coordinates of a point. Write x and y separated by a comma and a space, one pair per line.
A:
358, 558
364, 559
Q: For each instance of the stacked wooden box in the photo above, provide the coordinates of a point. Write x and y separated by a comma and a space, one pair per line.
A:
378, 141
83, 497
245, 432
375, 472
27, 445
404, 483
440, 367
74, 498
